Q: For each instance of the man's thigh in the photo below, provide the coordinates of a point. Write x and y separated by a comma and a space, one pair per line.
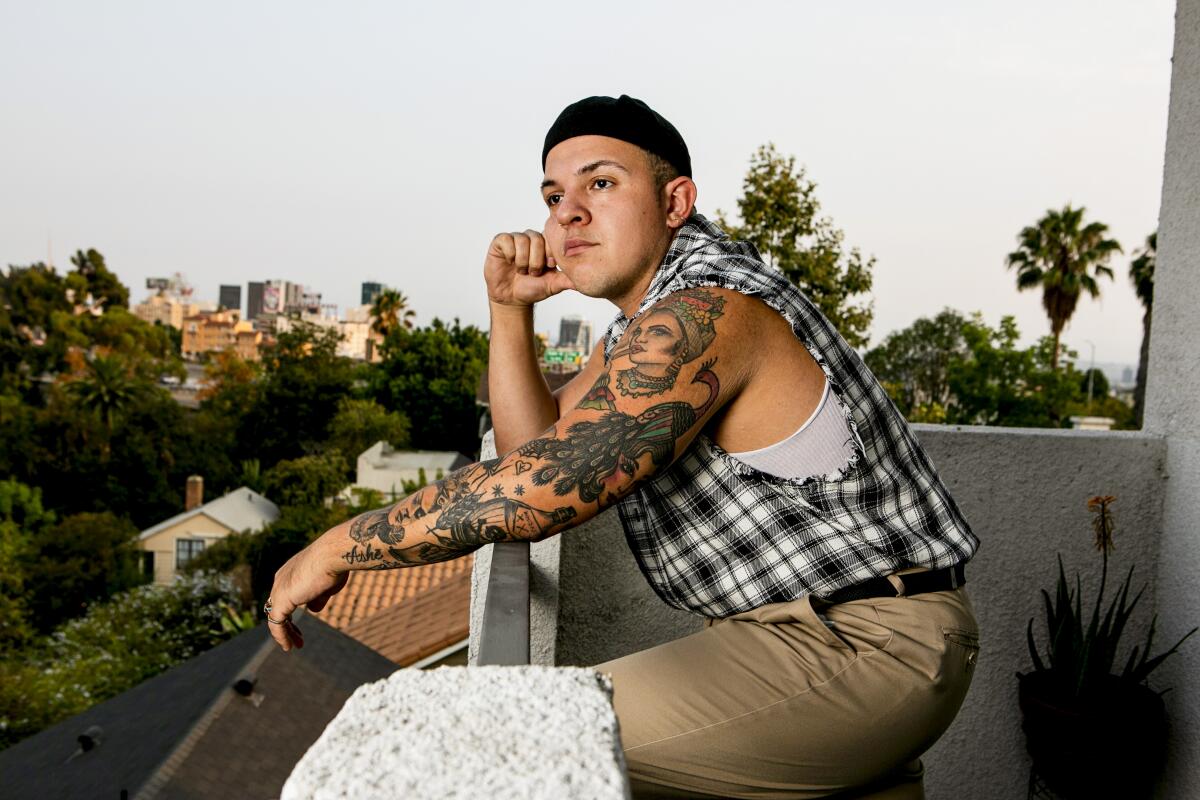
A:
773, 703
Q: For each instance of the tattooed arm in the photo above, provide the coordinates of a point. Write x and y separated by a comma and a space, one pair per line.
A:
680, 361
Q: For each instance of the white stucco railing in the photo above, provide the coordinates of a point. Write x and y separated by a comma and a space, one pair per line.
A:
537, 733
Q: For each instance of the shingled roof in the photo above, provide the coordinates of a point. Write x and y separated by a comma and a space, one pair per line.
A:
368, 592
188, 733
421, 626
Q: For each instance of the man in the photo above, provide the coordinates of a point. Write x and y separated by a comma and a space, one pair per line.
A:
763, 479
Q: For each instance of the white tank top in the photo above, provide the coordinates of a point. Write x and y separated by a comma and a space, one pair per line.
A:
821, 446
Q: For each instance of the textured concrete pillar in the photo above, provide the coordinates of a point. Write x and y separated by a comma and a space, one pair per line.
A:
1173, 399
469, 732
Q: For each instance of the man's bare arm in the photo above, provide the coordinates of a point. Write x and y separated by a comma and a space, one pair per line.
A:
629, 425
519, 273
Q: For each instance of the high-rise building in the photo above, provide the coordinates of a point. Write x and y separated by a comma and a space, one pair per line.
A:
230, 298
575, 332
370, 291
254, 299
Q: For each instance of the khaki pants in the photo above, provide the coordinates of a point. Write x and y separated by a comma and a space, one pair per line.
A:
773, 703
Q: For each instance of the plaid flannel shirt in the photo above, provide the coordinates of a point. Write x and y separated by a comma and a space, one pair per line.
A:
716, 536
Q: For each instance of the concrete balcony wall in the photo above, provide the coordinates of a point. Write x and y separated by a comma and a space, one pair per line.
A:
1173, 396
1025, 494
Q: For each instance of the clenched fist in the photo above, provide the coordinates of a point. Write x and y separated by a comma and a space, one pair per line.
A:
519, 271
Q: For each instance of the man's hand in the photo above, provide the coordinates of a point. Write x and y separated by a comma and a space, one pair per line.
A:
307, 579
519, 271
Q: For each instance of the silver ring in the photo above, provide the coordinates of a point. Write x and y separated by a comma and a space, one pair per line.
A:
283, 621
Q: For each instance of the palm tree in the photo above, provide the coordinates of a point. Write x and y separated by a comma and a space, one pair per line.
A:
106, 389
1141, 272
391, 310
1064, 257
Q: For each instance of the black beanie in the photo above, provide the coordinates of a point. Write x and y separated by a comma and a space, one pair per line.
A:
624, 118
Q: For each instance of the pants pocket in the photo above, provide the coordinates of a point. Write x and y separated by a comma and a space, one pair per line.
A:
965, 643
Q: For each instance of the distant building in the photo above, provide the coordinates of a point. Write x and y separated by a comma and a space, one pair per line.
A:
575, 333
211, 331
370, 291
384, 469
254, 299
295, 319
170, 544
359, 341
230, 298
165, 309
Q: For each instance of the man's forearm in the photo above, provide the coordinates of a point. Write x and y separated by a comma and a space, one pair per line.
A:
476, 505
521, 403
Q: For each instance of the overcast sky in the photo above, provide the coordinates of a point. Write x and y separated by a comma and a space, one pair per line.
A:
334, 143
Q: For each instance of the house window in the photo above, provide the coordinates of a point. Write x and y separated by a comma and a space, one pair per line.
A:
148, 564
185, 550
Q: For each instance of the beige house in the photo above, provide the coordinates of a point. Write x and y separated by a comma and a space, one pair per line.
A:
171, 543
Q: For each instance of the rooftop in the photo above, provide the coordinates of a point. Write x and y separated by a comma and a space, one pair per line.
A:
240, 510
370, 591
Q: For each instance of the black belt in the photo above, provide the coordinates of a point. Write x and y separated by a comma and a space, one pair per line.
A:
938, 580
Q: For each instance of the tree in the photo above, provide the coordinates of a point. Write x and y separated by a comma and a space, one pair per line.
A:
1000, 384
957, 369
99, 282
306, 481
390, 311
361, 423
115, 646
779, 211
21, 517
30, 299
432, 376
290, 407
83, 559
913, 364
106, 388
1063, 257
1141, 272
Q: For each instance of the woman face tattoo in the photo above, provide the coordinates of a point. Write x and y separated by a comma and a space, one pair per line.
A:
656, 343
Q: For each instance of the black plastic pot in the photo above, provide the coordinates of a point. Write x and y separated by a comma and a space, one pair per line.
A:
1108, 744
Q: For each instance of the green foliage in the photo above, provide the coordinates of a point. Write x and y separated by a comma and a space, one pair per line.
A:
83, 417
306, 481
81, 465
390, 311
290, 407
21, 518
779, 212
1064, 258
30, 299
106, 388
432, 375
117, 645
1081, 651
914, 363
1141, 273
99, 282
1096, 380
361, 423
82, 559
958, 370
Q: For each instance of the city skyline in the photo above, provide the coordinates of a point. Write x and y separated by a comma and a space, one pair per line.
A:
302, 141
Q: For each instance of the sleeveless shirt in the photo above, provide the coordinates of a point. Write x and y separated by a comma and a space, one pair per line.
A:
716, 536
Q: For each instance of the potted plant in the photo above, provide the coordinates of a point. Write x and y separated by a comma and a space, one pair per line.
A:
1092, 728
